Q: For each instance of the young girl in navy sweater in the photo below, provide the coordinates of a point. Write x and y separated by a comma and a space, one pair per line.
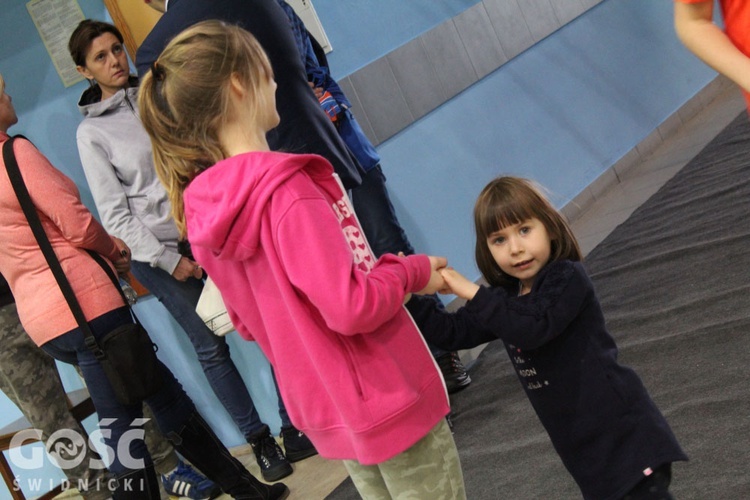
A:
541, 304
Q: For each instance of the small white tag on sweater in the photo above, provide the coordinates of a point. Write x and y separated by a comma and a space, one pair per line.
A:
647, 471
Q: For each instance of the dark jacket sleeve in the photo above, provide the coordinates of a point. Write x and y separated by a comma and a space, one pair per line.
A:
449, 331
562, 290
559, 295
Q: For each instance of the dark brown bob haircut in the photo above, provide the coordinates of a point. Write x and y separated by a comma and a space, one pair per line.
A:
511, 200
85, 33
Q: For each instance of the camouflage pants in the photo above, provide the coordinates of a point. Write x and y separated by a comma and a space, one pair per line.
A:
29, 377
429, 470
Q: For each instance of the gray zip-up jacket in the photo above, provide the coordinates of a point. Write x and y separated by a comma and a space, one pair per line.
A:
116, 156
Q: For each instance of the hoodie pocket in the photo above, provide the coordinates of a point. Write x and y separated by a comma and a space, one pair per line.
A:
349, 352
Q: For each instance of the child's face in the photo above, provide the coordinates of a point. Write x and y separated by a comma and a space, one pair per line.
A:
521, 250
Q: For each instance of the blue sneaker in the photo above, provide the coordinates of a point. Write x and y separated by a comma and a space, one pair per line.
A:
186, 484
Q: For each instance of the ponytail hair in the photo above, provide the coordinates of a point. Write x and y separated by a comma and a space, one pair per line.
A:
184, 101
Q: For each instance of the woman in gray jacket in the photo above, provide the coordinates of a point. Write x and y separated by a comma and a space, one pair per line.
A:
116, 155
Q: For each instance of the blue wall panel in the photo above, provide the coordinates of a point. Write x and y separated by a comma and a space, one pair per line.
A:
361, 31
560, 113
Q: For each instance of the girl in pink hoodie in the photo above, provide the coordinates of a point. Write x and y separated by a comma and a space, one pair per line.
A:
277, 234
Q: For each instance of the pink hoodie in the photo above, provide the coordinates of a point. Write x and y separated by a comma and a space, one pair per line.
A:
277, 234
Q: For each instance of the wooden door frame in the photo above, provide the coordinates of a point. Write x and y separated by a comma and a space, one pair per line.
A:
137, 12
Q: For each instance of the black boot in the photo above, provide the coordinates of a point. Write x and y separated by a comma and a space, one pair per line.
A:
271, 460
139, 484
454, 373
297, 446
200, 446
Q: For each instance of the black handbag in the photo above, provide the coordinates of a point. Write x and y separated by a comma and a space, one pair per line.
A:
127, 354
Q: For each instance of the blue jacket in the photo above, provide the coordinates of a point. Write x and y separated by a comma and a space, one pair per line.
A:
338, 107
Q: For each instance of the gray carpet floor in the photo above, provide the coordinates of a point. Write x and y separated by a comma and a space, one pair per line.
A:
674, 283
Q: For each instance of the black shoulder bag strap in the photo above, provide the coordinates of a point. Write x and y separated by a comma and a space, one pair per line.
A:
16, 180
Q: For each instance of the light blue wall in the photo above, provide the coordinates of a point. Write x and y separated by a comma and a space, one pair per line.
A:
361, 31
47, 111
562, 112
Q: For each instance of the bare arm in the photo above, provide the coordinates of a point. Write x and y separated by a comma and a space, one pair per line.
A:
696, 30
458, 284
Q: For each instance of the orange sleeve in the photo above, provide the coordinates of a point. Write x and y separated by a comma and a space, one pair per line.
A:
57, 197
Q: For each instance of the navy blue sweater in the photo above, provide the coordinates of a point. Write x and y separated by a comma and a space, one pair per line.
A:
598, 414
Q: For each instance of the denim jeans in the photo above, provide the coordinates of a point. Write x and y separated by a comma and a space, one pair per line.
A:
379, 222
171, 406
180, 299
377, 215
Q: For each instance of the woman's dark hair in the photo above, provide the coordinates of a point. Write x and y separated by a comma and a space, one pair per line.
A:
511, 200
85, 33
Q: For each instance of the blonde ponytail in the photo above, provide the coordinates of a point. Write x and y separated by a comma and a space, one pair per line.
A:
184, 101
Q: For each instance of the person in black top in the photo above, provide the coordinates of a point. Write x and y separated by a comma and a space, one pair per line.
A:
540, 302
304, 127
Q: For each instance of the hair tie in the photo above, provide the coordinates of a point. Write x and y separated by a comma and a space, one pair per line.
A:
157, 71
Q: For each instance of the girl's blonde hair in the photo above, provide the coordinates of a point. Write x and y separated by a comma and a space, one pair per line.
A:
511, 200
2, 83
185, 100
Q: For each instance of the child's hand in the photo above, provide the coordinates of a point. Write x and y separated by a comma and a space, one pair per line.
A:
446, 290
436, 279
457, 284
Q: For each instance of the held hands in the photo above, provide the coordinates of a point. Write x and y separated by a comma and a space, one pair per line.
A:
446, 280
122, 265
436, 279
436, 282
457, 284
187, 268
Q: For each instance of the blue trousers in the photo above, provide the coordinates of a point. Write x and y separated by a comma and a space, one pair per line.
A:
171, 406
180, 299
378, 218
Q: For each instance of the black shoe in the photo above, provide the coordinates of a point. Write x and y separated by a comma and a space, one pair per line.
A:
454, 373
271, 460
201, 447
296, 445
